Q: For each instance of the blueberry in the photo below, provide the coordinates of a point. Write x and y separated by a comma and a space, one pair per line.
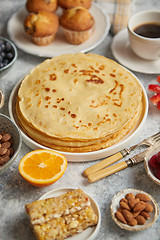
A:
8, 47
5, 62
9, 55
1, 65
3, 54
3, 47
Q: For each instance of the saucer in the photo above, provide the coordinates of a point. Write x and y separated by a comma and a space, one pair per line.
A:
124, 55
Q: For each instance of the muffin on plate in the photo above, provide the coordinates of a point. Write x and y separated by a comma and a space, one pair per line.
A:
42, 27
41, 5
77, 24
75, 3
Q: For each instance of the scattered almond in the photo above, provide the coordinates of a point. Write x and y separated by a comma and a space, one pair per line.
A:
143, 197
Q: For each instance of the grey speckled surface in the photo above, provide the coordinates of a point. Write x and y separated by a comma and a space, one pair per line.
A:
15, 192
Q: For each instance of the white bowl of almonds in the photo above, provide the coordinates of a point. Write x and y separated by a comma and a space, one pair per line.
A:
134, 210
10, 142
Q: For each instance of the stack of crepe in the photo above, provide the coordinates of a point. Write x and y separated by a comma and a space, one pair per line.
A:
79, 103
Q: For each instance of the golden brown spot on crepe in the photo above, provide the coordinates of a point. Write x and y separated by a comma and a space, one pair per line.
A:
95, 128
38, 81
95, 79
112, 75
114, 70
52, 77
46, 106
66, 70
62, 108
89, 124
75, 80
74, 65
73, 115
69, 112
76, 126
116, 84
53, 90
47, 97
102, 67
39, 103
28, 100
114, 115
92, 67
86, 72
49, 102
28, 106
47, 89
37, 94
55, 106
96, 71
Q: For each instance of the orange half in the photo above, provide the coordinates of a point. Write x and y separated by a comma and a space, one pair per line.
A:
42, 167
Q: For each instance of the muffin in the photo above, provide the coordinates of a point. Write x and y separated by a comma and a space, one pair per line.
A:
77, 24
41, 5
42, 27
74, 3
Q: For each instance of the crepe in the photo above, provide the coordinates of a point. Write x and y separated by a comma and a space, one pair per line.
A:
79, 102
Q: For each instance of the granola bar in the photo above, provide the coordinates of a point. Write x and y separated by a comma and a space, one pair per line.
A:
63, 227
41, 211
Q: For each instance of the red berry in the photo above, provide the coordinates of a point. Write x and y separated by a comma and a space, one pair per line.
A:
155, 98
154, 88
158, 157
158, 105
158, 174
153, 162
158, 79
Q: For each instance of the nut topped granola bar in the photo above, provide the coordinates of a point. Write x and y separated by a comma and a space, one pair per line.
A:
63, 227
41, 211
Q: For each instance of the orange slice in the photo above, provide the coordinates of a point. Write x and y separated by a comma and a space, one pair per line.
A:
42, 167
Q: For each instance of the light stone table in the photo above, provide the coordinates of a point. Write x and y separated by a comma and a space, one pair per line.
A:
15, 192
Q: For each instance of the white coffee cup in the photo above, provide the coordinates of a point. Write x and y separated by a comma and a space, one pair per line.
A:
144, 47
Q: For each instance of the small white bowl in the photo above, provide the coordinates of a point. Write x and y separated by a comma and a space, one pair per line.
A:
115, 205
154, 150
8, 126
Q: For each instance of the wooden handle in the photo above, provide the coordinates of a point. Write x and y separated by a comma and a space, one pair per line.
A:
107, 171
102, 164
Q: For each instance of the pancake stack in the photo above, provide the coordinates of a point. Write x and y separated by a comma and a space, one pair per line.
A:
79, 103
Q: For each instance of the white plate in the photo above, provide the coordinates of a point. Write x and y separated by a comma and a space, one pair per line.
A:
115, 205
59, 46
86, 156
124, 55
91, 232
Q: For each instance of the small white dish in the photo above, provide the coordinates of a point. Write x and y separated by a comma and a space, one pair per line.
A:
86, 156
91, 232
123, 54
59, 46
115, 205
152, 151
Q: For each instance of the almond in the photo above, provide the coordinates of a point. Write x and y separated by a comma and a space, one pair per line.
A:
124, 205
140, 220
119, 209
135, 214
143, 197
124, 200
148, 208
120, 217
145, 215
140, 206
129, 195
132, 202
133, 222
127, 215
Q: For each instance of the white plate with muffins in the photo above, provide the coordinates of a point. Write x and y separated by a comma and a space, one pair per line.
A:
59, 44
